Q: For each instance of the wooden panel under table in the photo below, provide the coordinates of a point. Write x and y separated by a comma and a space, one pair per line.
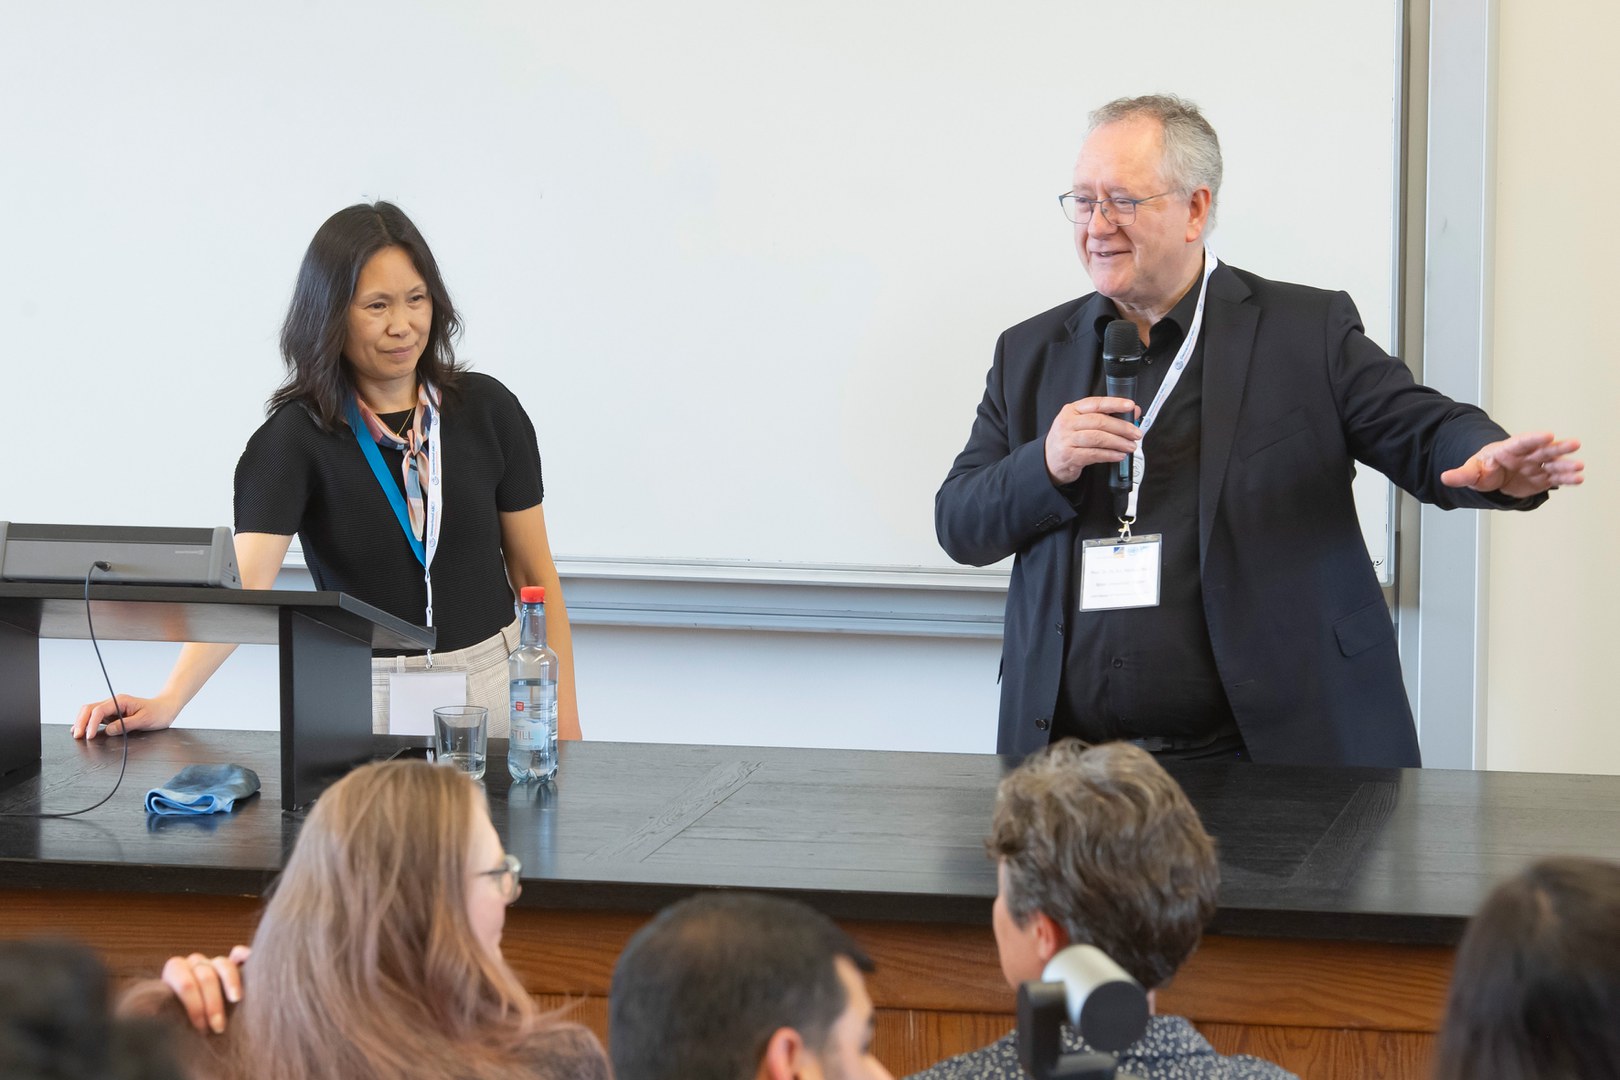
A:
1319, 1008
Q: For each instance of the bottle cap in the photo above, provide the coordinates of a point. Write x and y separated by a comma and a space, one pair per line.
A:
532, 594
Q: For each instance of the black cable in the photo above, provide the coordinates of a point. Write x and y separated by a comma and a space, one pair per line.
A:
123, 728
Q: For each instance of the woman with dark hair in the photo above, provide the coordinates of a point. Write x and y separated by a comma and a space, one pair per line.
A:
411, 482
1535, 994
379, 955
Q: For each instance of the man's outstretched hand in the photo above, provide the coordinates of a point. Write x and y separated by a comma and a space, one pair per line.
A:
1519, 467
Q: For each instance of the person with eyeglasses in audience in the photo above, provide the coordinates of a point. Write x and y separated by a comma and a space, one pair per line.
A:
1100, 846
379, 953
1535, 991
740, 986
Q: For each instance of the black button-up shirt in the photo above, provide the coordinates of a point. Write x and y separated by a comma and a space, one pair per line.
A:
1138, 672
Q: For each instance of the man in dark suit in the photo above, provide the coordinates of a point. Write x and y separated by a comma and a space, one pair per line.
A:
1243, 618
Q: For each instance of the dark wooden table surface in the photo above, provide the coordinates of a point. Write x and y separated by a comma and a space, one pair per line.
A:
1348, 854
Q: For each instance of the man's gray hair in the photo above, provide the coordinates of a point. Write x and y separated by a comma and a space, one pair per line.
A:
1192, 153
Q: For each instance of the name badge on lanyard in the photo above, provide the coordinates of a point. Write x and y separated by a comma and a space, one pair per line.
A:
1123, 572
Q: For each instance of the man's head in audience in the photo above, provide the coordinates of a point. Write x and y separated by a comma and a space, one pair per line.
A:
737, 986
56, 1021
1535, 993
1099, 846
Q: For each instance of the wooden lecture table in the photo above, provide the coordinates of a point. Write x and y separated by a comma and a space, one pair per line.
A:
1343, 891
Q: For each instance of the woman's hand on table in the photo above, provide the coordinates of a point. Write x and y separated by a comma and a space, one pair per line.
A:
140, 714
204, 985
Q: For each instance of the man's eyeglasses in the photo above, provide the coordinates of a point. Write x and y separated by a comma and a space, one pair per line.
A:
1117, 211
506, 877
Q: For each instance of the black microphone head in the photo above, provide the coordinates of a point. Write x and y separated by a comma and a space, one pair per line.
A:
1121, 341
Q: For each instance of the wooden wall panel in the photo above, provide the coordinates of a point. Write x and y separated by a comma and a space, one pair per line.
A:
1312, 984
1327, 1052
1319, 1008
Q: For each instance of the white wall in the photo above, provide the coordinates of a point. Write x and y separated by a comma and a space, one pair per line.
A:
1554, 590
765, 688
744, 263
876, 666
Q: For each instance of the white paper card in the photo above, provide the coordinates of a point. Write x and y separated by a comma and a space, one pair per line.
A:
1120, 573
413, 695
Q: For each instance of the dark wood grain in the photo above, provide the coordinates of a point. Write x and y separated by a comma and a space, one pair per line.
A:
675, 817
1360, 854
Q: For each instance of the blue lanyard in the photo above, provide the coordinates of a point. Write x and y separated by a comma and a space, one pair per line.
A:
374, 458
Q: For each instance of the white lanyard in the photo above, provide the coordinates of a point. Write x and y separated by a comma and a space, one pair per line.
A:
1171, 377
434, 499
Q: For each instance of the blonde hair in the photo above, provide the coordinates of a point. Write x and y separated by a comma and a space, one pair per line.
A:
365, 963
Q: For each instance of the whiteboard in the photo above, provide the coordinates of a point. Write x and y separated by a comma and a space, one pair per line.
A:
744, 263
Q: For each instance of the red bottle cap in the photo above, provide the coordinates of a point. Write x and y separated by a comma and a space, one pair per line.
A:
532, 594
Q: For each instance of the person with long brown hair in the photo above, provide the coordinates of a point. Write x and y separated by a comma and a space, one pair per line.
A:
378, 955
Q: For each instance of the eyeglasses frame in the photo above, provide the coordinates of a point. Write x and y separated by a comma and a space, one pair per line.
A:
508, 876
1104, 206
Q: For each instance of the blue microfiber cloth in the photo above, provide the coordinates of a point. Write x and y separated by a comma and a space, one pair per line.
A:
203, 789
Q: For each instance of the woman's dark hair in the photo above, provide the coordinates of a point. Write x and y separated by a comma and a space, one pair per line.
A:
56, 1022
1535, 994
317, 320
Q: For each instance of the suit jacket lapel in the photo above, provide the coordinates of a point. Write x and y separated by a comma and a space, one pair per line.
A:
1229, 328
1072, 363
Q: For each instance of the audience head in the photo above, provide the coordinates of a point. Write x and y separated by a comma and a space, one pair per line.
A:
732, 986
56, 1023
1535, 994
153, 1005
1099, 846
379, 951
316, 329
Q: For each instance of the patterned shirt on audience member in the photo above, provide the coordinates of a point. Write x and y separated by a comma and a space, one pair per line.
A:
1172, 1049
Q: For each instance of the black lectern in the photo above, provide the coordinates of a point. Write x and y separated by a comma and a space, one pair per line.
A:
325, 638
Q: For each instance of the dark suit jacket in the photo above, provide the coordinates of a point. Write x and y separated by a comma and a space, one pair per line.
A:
1294, 395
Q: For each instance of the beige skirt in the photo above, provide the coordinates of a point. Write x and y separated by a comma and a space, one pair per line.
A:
484, 663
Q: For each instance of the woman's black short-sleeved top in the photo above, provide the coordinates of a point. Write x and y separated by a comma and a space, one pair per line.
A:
295, 478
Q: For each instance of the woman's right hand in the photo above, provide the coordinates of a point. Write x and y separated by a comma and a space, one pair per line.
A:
140, 714
204, 985
258, 559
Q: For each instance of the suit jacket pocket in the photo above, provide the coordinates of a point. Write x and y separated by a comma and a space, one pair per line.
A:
1284, 427
1361, 630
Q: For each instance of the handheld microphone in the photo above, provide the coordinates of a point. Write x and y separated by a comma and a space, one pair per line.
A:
1122, 355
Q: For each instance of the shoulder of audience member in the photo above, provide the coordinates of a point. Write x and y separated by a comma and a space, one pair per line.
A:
152, 1003
1247, 1067
568, 1051
997, 1061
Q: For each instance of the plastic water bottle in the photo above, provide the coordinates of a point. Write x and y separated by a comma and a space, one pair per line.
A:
532, 669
